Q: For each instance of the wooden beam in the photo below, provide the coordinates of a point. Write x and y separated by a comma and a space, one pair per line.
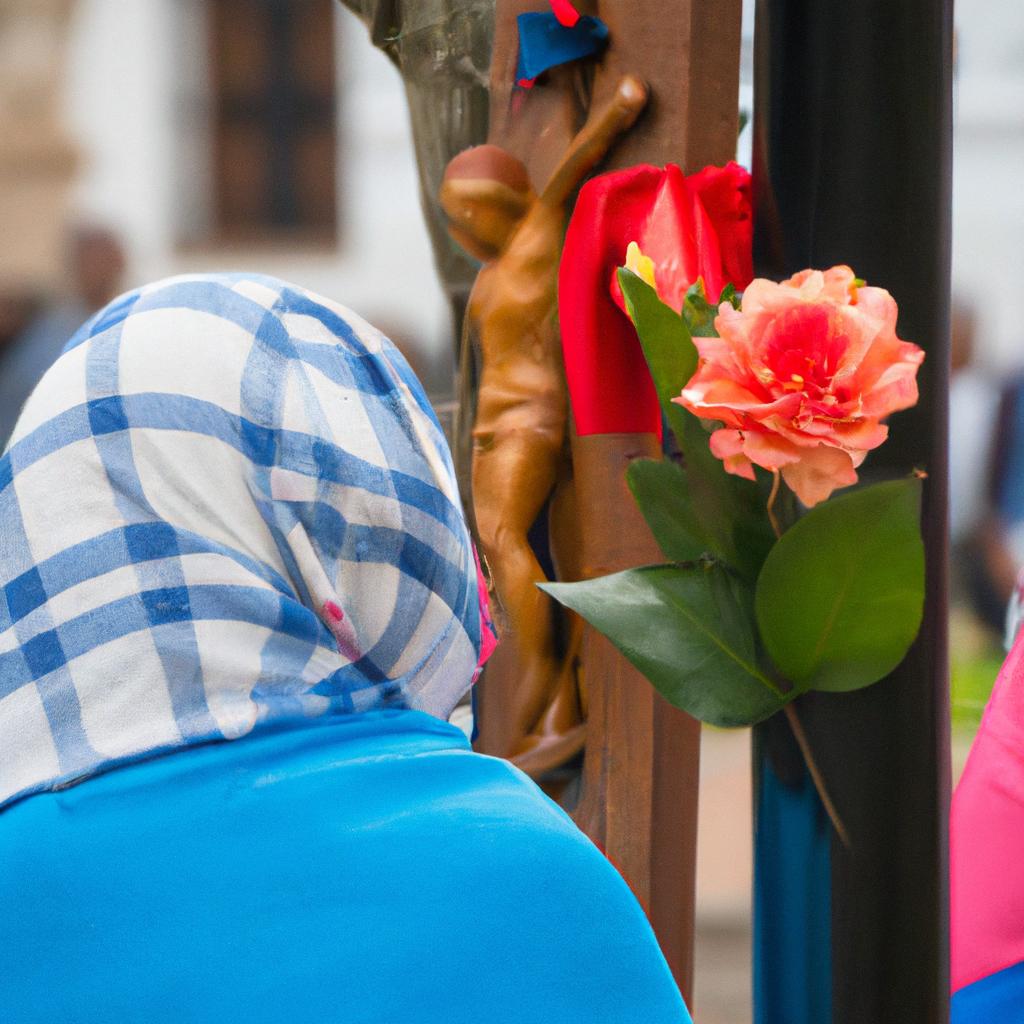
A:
641, 767
642, 764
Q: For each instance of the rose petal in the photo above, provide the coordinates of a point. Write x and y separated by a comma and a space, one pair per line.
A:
708, 395
759, 294
862, 434
895, 388
727, 445
839, 284
770, 451
819, 472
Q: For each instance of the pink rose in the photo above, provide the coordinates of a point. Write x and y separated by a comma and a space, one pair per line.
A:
801, 377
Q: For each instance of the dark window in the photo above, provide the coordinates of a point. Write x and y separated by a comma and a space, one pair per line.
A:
273, 80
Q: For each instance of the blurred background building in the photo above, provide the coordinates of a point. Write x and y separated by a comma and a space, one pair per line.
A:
986, 399
145, 138
212, 134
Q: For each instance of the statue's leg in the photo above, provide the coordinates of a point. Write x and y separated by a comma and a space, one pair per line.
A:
561, 732
515, 471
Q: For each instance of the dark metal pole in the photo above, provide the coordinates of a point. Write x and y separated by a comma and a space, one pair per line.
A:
852, 165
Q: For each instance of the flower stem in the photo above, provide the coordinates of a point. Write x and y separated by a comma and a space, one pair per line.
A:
776, 481
815, 772
794, 719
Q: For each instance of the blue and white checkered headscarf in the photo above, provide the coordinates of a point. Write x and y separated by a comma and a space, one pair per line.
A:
227, 503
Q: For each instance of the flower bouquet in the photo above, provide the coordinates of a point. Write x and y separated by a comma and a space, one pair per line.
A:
771, 586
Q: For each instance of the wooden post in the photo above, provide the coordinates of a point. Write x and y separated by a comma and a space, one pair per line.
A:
641, 764
853, 135
642, 759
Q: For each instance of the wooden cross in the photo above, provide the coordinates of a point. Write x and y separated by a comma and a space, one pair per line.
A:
641, 762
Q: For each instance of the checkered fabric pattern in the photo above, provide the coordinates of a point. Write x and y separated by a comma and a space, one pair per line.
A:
227, 503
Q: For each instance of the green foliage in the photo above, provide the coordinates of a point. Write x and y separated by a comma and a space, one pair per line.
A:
660, 489
668, 347
690, 630
741, 623
726, 511
699, 314
972, 674
839, 598
730, 295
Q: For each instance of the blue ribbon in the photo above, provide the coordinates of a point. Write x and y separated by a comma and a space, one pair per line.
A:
545, 43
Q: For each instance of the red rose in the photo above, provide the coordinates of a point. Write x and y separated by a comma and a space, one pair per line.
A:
695, 226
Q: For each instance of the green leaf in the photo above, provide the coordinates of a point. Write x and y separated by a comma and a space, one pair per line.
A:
729, 510
730, 295
840, 596
689, 629
662, 492
699, 314
668, 347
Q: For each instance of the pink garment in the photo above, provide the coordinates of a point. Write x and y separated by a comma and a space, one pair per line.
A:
987, 838
488, 634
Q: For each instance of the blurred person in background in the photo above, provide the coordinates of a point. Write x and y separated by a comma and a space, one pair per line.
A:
18, 308
32, 334
977, 558
970, 429
1000, 531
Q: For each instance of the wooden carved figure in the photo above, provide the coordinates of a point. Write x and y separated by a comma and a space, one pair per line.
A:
519, 433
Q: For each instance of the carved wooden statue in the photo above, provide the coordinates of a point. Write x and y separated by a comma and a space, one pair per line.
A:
519, 433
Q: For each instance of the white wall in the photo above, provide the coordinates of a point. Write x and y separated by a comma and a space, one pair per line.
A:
124, 92
132, 64
988, 175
